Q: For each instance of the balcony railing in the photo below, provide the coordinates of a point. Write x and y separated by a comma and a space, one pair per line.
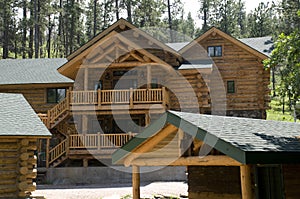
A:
98, 141
129, 96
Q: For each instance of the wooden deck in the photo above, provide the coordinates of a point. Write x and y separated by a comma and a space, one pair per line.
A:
84, 145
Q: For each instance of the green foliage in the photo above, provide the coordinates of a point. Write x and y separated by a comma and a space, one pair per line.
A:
275, 112
260, 21
285, 58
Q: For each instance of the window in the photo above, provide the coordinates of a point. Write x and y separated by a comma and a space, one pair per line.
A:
230, 87
154, 83
214, 51
55, 95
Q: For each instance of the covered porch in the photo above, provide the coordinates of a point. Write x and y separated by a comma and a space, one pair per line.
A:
226, 157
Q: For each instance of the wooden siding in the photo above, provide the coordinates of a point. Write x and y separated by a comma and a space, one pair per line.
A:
291, 176
17, 163
238, 64
214, 182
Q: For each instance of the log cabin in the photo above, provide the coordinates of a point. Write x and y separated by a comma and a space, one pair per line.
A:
20, 132
111, 88
226, 157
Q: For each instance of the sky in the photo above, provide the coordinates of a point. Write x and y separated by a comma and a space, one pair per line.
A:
194, 5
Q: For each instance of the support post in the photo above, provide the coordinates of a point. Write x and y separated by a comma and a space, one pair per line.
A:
85, 163
131, 98
47, 152
99, 98
135, 182
84, 124
86, 78
246, 185
149, 80
147, 119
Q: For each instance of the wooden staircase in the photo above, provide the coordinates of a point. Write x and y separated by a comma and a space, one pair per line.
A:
57, 114
59, 153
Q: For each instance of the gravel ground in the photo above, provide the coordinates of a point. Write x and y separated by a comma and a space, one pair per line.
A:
110, 192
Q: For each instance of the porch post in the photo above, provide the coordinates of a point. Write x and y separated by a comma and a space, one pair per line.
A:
246, 185
86, 79
47, 152
135, 182
149, 77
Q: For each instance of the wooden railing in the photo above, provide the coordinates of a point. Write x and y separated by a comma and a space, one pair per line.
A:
58, 151
58, 110
126, 96
99, 141
83, 97
44, 118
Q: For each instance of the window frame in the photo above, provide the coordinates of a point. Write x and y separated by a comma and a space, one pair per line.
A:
57, 100
229, 88
215, 51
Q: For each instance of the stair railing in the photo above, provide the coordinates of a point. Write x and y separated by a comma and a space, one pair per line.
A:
58, 110
58, 151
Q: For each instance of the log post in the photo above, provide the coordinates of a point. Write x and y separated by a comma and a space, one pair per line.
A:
131, 98
99, 98
147, 119
47, 153
246, 185
135, 182
149, 80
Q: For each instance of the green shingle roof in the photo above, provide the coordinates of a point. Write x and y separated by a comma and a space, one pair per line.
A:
246, 140
31, 71
17, 118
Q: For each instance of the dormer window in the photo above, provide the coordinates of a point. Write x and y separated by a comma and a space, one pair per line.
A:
214, 51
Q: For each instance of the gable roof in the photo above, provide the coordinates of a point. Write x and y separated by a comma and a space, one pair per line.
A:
125, 26
119, 26
264, 45
31, 71
248, 141
237, 42
17, 118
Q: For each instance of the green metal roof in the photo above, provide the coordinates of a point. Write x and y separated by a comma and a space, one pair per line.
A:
31, 71
17, 118
249, 141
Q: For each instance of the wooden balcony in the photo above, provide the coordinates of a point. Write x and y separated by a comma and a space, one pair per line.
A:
80, 145
119, 99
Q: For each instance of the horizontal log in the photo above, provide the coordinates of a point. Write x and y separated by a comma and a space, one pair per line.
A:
7, 189
8, 161
23, 170
8, 174
210, 160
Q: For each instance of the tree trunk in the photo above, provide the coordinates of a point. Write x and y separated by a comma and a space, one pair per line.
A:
128, 8
117, 10
36, 29
5, 31
95, 18
49, 37
24, 31
170, 21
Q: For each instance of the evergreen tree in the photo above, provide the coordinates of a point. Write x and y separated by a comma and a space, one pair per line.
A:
259, 21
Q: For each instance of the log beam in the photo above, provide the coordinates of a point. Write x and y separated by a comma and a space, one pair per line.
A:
246, 185
210, 160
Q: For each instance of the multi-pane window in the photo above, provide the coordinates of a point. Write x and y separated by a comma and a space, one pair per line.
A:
55, 95
214, 51
230, 86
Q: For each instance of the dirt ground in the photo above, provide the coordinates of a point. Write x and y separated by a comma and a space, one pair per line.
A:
110, 192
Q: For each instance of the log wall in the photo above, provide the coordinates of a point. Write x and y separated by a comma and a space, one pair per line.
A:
17, 167
214, 182
36, 96
189, 91
236, 63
